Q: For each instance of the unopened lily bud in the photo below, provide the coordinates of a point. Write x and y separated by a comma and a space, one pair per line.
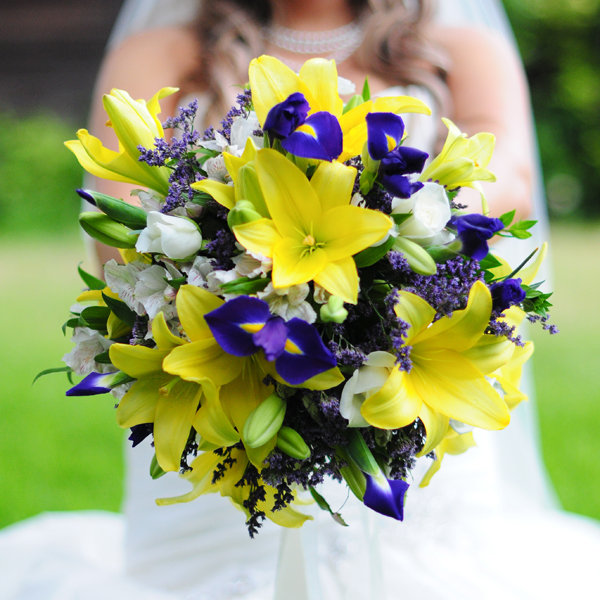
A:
249, 189
291, 443
417, 257
106, 230
243, 212
123, 212
264, 421
156, 470
333, 311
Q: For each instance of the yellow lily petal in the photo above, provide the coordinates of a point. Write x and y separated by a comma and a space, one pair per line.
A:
454, 443
346, 230
292, 202
221, 192
320, 76
294, 264
415, 311
138, 405
400, 104
203, 359
115, 327
192, 304
333, 183
287, 517
340, 278
258, 236
200, 476
436, 427
452, 386
490, 353
173, 421
211, 422
136, 361
394, 405
272, 82
464, 328
90, 296
165, 340
528, 273
153, 104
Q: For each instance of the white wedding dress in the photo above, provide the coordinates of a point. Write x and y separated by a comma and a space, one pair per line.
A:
485, 528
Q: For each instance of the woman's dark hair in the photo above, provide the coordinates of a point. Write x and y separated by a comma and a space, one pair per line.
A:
394, 47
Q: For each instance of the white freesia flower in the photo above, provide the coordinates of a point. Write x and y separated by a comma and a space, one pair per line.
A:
429, 210
289, 302
364, 382
176, 237
88, 344
242, 128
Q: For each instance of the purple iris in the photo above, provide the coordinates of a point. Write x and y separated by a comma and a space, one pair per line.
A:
94, 383
245, 325
380, 128
397, 163
286, 116
326, 143
385, 496
326, 140
506, 293
474, 230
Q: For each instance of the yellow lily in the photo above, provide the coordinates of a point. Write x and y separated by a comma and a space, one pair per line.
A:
313, 231
157, 397
201, 478
462, 161
271, 82
135, 123
451, 358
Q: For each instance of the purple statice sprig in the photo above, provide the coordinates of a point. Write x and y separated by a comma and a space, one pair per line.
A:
178, 154
241, 108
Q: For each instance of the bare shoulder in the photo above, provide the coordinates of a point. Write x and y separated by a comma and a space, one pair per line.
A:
150, 59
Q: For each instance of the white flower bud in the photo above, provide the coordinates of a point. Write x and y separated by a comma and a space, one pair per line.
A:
176, 237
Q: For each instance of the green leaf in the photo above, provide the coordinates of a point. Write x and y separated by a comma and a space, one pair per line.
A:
366, 91
324, 505
72, 323
489, 262
177, 282
92, 282
399, 219
67, 370
244, 285
507, 218
355, 101
369, 256
120, 309
156, 470
103, 358
95, 317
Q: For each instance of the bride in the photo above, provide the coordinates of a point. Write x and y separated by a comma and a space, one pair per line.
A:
486, 526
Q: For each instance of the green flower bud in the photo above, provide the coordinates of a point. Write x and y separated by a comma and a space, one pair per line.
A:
106, 230
292, 443
333, 311
249, 189
242, 212
156, 470
264, 421
418, 258
133, 217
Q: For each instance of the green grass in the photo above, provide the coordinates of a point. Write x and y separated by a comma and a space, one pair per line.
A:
56, 453
59, 453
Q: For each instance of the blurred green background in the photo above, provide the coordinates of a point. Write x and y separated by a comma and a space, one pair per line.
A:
59, 453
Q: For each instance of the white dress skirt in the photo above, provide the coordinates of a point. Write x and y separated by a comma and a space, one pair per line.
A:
485, 528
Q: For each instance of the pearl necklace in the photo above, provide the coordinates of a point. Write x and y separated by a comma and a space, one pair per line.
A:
338, 43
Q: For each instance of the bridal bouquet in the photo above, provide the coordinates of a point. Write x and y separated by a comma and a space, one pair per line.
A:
300, 296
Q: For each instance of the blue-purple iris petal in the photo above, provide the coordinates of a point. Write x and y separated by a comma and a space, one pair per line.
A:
90, 385
315, 357
225, 324
506, 293
403, 160
272, 337
386, 496
400, 185
286, 116
380, 126
474, 230
326, 144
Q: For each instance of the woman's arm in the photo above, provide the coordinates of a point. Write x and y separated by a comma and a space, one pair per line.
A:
489, 93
